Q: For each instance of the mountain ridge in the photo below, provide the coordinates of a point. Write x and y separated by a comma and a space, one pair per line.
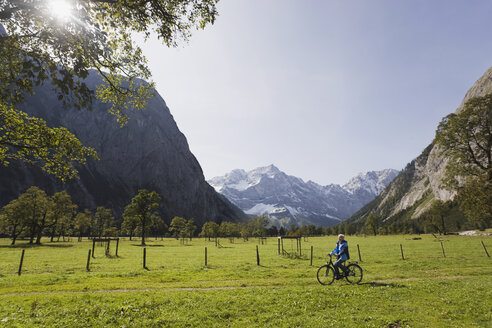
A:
287, 199
148, 152
411, 193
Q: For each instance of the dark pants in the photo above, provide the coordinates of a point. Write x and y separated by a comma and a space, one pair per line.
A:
338, 264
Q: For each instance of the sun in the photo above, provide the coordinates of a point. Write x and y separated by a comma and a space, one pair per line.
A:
61, 10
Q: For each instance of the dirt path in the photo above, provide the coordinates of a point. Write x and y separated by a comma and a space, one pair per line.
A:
102, 291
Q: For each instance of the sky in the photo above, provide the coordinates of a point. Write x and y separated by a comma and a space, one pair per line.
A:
326, 89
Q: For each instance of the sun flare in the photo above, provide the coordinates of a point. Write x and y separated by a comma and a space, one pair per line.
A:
61, 10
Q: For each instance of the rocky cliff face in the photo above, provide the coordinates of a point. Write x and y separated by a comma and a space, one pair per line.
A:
149, 152
289, 200
421, 181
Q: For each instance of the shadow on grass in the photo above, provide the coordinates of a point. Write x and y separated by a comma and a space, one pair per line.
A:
140, 245
24, 246
57, 245
382, 284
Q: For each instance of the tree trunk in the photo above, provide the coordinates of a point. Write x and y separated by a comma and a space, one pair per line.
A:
38, 238
143, 232
52, 234
32, 235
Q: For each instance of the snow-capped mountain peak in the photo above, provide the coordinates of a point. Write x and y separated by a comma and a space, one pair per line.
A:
267, 190
241, 180
373, 182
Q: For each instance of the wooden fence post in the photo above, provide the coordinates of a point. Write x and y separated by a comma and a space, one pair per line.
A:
278, 245
205, 256
117, 243
311, 256
358, 251
145, 258
21, 261
485, 249
88, 261
93, 246
257, 256
401, 248
442, 247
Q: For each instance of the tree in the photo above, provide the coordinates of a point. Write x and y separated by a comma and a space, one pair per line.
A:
475, 201
102, 219
245, 230
82, 223
209, 230
143, 207
466, 139
13, 220
292, 230
272, 231
61, 214
437, 216
372, 223
190, 228
40, 46
129, 225
349, 229
178, 227
259, 225
228, 229
36, 205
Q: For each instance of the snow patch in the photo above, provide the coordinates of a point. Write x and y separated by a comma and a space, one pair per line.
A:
261, 208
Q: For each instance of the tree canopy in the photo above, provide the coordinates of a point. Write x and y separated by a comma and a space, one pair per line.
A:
39, 47
466, 139
142, 211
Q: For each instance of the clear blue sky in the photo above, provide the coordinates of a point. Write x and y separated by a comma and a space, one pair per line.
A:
322, 89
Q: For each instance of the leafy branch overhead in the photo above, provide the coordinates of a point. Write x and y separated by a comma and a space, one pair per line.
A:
96, 35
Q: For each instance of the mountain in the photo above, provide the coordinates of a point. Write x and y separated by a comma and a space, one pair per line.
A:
413, 190
287, 199
149, 152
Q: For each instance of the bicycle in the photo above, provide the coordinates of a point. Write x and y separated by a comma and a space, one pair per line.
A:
326, 273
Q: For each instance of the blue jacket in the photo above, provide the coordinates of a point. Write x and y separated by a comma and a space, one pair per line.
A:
341, 249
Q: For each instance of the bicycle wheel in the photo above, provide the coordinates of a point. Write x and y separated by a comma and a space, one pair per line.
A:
354, 275
325, 275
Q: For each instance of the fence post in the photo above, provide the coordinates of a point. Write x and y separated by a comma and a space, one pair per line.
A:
311, 255
21, 261
117, 243
205, 256
93, 246
485, 249
442, 247
278, 245
88, 261
145, 258
257, 256
358, 251
401, 248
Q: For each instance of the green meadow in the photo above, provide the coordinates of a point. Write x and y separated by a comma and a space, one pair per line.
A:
425, 289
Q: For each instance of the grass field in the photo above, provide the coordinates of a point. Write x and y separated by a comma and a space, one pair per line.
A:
178, 290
